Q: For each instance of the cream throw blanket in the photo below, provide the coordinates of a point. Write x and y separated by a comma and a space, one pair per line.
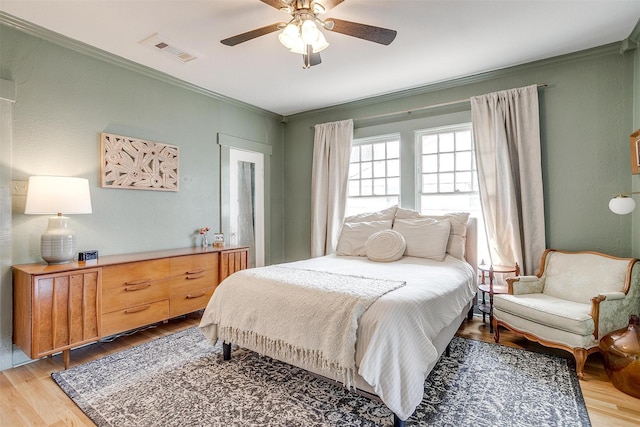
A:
295, 315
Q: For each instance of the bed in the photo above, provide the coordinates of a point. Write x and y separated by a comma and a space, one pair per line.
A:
400, 334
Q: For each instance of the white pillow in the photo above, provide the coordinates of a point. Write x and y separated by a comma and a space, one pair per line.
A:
354, 235
383, 215
457, 235
385, 246
425, 237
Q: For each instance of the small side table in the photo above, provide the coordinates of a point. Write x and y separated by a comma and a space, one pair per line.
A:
488, 271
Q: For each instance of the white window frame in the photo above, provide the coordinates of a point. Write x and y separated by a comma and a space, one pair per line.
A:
393, 198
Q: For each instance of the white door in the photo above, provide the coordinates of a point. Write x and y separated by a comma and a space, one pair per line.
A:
246, 210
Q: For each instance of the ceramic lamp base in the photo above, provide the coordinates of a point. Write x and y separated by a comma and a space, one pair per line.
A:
58, 243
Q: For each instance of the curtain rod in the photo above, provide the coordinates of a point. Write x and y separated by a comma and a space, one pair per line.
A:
426, 107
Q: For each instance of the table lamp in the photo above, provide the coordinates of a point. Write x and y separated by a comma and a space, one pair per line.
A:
58, 195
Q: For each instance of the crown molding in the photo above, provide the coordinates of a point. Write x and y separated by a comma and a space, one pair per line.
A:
93, 52
608, 49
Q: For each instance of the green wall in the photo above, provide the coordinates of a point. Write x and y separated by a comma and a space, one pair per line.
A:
65, 98
586, 118
635, 180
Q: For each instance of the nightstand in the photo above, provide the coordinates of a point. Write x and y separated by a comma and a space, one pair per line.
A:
493, 287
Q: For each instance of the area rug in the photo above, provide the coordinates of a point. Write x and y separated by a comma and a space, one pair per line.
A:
181, 380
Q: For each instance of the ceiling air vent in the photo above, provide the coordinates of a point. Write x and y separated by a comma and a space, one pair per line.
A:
163, 45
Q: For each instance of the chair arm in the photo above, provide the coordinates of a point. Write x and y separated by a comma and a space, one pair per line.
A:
610, 311
525, 285
611, 296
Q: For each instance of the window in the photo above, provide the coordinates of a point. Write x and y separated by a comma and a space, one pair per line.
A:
447, 177
374, 174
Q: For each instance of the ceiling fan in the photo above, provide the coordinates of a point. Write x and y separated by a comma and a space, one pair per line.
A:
302, 35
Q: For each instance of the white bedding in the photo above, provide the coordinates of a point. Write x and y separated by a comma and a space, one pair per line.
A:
394, 350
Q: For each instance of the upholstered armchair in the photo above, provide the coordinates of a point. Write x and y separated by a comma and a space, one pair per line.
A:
575, 300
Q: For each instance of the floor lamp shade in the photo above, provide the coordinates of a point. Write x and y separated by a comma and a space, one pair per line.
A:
58, 195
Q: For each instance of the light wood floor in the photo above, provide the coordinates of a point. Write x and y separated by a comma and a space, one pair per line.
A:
29, 397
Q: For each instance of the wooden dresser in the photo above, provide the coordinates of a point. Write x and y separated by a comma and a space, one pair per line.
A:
59, 307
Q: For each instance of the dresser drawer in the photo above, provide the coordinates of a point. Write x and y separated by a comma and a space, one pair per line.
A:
134, 317
194, 264
190, 301
192, 282
134, 273
131, 295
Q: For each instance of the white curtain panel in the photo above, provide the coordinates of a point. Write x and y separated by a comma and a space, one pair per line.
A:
331, 152
506, 130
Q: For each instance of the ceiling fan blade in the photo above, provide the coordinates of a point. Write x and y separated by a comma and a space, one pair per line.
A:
329, 4
278, 4
241, 38
362, 31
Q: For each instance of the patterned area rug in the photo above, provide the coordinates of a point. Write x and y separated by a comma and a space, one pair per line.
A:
181, 380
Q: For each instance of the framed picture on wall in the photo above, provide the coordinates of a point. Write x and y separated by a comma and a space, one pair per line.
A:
634, 140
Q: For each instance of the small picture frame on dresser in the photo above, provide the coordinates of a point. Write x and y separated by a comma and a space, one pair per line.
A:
218, 240
634, 141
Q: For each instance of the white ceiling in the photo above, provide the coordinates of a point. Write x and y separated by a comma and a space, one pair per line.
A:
437, 40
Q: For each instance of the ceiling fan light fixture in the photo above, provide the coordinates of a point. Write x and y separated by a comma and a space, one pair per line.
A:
289, 36
299, 47
321, 44
310, 32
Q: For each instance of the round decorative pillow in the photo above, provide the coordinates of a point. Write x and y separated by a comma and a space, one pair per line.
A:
385, 246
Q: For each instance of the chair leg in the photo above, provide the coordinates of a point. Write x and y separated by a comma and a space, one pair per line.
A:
496, 332
580, 355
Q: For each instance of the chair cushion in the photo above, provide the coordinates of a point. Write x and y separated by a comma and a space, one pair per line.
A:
544, 309
579, 277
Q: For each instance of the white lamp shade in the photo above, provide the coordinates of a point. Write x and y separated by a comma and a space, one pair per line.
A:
58, 194
622, 205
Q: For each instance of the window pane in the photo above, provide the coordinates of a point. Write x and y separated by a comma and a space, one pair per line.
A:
430, 163
463, 181
365, 152
446, 162
446, 142
366, 170
379, 151
430, 183
366, 187
370, 204
463, 160
393, 186
354, 188
446, 183
354, 171
355, 153
379, 186
393, 167
463, 140
379, 169
393, 149
429, 144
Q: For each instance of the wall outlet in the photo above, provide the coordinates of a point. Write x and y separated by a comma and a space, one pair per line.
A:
19, 188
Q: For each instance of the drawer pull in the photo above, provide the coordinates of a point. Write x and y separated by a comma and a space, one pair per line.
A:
195, 277
196, 271
137, 287
137, 309
196, 296
139, 282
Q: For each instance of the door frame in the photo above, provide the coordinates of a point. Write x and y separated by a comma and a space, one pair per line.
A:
227, 143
